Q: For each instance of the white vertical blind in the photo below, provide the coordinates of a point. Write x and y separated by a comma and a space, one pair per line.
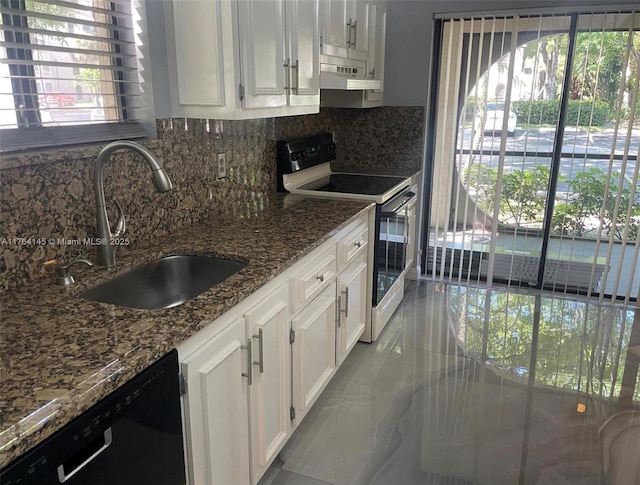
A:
489, 192
69, 72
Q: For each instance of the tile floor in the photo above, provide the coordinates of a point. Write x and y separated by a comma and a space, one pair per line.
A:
471, 386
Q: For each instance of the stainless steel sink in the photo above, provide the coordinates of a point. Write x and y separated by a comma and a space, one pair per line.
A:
165, 283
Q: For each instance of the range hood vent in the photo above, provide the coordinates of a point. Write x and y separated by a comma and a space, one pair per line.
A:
346, 77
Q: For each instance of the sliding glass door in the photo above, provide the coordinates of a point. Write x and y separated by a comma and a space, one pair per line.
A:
597, 205
534, 172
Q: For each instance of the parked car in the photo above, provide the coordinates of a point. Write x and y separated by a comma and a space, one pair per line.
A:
59, 99
495, 116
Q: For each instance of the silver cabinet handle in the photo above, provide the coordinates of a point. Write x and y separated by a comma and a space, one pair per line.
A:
358, 244
249, 373
287, 74
346, 302
63, 476
349, 33
320, 278
354, 26
295, 66
260, 361
338, 304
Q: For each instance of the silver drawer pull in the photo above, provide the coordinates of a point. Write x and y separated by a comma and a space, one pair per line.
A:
296, 66
338, 304
249, 373
354, 26
358, 244
260, 361
320, 278
346, 302
287, 74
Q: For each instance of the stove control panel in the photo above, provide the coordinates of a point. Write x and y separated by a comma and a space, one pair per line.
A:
294, 155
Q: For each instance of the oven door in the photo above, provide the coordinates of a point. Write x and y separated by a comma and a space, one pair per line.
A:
392, 241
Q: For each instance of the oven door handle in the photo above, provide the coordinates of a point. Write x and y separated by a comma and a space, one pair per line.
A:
409, 196
394, 212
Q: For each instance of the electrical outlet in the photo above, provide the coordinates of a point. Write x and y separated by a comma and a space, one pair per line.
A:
222, 165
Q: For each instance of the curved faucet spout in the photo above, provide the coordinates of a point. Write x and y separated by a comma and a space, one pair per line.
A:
161, 181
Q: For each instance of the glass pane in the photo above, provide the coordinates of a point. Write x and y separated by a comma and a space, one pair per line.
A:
7, 104
70, 92
598, 198
514, 186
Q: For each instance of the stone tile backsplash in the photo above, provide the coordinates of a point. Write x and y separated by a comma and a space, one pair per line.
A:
48, 195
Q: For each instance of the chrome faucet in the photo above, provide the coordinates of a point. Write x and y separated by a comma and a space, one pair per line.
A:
106, 247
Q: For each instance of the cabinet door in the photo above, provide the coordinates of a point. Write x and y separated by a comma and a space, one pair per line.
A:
352, 304
270, 391
359, 36
313, 350
377, 39
199, 70
304, 52
261, 25
216, 410
335, 30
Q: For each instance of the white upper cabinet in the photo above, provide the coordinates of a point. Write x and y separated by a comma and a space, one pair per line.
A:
262, 42
335, 28
345, 29
303, 56
201, 67
238, 59
377, 39
370, 39
359, 38
200, 79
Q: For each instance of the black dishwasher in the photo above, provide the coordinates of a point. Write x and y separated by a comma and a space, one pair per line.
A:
132, 436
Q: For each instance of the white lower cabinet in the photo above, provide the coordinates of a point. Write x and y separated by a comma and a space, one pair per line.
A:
313, 350
255, 372
352, 306
215, 409
270, 388
238, 393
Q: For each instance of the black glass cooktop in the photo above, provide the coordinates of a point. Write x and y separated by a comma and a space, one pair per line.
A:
350, 183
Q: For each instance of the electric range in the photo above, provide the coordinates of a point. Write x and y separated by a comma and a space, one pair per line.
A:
304, 168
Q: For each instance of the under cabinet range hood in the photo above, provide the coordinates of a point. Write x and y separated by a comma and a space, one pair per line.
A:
347, 75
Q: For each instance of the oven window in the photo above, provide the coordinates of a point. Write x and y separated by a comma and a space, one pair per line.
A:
391, 253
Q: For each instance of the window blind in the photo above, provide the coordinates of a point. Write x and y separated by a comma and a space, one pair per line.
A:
69, 72
499, 211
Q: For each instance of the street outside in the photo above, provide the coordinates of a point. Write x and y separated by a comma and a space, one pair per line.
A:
80, 113
580, 142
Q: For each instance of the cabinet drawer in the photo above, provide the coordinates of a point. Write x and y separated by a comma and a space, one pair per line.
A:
354, 243
312, 278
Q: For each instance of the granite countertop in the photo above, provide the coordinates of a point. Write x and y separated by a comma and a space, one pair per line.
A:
60, 354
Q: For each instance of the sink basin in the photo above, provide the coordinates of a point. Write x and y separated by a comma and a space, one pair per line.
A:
165, 283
